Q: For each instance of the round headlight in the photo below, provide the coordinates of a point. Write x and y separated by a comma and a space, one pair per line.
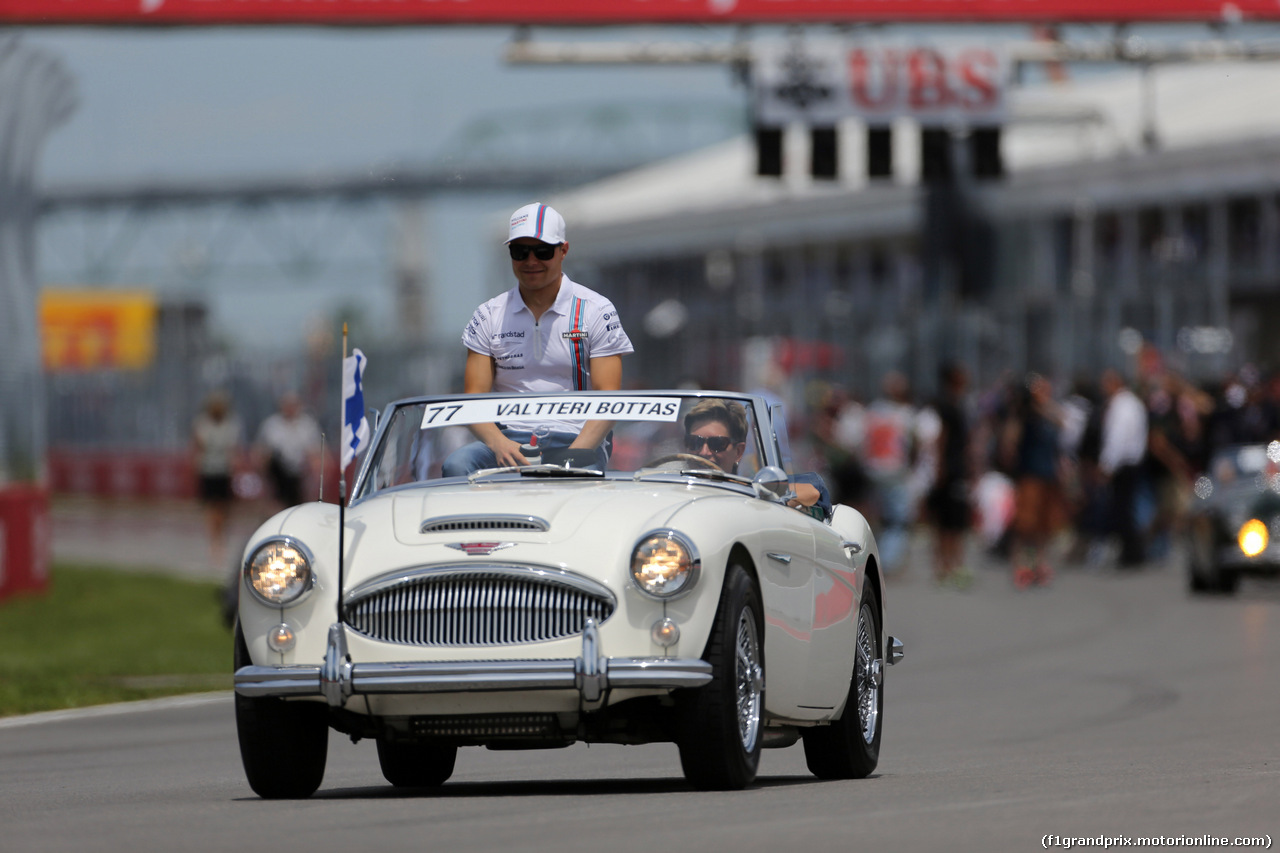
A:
664, 564
279, 572
1253, 537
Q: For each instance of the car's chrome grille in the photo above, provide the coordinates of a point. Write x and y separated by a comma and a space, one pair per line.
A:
476, 609
456, 523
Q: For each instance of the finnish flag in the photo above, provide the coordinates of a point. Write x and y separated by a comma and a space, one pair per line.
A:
355, 426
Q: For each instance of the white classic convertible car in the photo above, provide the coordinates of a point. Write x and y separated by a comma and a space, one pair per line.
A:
674, 596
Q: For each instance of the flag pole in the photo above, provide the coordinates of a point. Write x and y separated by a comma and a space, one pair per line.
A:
342, 489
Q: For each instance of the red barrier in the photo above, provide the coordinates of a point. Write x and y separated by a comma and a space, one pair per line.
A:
24, 539
121, 474
157, 474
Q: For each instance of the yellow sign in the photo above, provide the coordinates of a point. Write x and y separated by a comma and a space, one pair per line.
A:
97, 329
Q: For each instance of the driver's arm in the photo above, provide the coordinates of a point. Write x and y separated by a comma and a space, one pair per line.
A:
806, 495
477, 378
811, 491
606, 375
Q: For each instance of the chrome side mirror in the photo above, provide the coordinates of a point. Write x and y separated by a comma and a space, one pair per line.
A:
771, 483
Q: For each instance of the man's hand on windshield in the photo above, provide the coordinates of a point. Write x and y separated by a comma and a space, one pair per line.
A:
506, 451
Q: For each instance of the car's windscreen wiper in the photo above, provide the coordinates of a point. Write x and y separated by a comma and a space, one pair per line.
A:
535, 471
706, 473
559, 471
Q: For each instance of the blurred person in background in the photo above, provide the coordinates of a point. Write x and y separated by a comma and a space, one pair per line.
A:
992, 484
1030, 446
288, 449
1244, 412
927, 430
548, 333
216, 445
1088, 495
835, 431
1120, 460
948, 503
888, 451
1175, 454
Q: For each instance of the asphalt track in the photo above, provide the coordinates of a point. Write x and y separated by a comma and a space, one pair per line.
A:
1108, 705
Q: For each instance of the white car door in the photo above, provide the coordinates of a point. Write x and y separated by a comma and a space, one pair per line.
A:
837, 592
786, 570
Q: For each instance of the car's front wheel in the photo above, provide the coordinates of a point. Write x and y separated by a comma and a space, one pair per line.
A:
849, 748
283, 745
416, 765
1204, 571
721, 726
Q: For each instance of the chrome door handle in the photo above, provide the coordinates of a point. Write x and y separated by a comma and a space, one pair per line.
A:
780, 557
852, 547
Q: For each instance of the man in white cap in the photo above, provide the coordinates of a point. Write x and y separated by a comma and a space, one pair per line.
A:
548, 333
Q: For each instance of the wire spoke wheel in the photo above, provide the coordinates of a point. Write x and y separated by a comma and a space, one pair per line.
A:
749, 680
867, 676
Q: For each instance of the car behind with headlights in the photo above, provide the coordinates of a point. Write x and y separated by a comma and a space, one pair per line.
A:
1235, 519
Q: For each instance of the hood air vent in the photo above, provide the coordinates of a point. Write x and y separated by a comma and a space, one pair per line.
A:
457, 523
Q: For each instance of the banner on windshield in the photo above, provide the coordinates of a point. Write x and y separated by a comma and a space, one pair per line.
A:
551, 12
479, 410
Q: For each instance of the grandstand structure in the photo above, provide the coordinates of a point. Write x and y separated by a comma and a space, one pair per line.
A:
1138, 212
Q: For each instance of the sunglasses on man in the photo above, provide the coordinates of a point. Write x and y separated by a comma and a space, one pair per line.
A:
543, 251
717, 443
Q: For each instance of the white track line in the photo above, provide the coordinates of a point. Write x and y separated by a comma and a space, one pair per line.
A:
187, 701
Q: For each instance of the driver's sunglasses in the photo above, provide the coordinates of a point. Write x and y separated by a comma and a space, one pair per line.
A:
543, 252
717, 443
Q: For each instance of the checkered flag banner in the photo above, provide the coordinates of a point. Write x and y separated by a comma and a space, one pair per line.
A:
355, 426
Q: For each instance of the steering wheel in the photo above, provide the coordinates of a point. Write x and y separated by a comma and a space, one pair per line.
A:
687, 458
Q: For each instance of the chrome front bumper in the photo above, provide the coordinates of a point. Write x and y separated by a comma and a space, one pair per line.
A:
590, 674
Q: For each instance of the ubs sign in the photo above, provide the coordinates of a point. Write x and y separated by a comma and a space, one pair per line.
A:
822, 83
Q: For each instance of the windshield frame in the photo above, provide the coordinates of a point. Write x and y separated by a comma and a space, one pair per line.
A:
765, 429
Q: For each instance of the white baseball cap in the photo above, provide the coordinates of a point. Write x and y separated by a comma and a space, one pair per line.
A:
539, 222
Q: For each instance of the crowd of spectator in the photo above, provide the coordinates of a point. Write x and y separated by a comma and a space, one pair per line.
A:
1034, 475
286, 450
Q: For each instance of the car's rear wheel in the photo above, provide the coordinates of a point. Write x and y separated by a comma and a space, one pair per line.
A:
416, 765
283, 745
849, 748
721, 725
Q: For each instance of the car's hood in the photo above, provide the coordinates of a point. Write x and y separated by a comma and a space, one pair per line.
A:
567, 507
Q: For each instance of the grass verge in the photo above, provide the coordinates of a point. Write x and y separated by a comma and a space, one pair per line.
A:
102, 635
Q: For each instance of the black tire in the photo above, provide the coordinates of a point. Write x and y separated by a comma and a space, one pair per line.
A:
283, 745
849, 748
1204, 573
1199, 557
1228, 583
722, 722
416, 765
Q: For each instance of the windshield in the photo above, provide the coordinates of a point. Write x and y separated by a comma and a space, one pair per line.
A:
431, 439
1245, 461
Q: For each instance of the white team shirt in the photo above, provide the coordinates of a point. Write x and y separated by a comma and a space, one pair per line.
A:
552, 353
293, 441
1124, 432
